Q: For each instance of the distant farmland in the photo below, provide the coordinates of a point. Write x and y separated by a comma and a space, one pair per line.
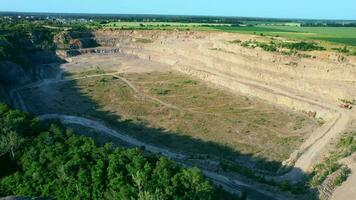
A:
341, 35
336, 35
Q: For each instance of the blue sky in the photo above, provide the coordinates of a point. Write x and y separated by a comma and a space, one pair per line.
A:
316, 9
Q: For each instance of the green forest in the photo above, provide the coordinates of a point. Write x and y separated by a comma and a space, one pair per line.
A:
41, 159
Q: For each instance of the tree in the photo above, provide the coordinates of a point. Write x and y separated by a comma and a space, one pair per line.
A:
58, 164
10, 142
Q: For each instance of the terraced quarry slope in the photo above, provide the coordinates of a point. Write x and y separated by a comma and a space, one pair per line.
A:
311, 85
205, 100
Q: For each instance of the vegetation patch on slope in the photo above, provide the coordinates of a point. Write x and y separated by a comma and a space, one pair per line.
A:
345, 148
180, 113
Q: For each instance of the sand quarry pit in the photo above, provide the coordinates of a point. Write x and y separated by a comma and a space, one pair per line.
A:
197, 94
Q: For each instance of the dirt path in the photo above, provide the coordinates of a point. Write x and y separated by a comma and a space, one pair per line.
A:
312, 148
67, 119
148, 96
315, 145
314, 151
235, 186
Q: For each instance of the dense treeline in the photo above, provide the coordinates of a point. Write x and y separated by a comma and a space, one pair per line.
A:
17, 39
53, 162
329, 24
29, 43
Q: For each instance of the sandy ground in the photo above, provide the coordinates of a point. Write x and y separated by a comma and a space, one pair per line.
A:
97, 126
118, 62
310, 85
255, 192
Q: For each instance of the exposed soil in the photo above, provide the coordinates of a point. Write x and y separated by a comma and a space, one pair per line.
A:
249, 127
310, 85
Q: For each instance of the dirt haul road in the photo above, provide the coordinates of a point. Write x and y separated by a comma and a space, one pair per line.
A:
313, 148
234, 186
308, 155
255, 192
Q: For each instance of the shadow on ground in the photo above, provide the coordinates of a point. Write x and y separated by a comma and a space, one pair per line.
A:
45, 64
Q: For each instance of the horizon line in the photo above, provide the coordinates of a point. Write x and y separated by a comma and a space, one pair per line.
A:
176, 15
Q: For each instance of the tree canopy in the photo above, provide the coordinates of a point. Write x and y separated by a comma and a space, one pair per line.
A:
54, 162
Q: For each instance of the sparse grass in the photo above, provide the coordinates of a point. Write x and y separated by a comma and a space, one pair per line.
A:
210, 115
237, 41
345, 148
95, 71
221, 124
160, 91
352, 102
299, 123
222, 50
143, 40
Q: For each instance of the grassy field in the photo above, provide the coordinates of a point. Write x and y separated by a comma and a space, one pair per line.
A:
338, 35
237, 124
174, 111
332, 35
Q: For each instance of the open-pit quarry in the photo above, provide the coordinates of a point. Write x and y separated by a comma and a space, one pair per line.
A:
200, 99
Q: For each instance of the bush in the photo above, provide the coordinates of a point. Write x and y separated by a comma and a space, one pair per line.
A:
267, 47
344, 174
302, 46
248, 44
160, 91
235, 41
342, 50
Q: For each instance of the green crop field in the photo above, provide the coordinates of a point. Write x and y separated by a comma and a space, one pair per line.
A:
332, 35
337, 35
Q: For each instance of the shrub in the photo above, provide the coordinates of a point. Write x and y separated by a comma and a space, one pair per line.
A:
143, 40
344, 174
267, 47
190, 81
342, 50
235, 41
246, 44
302, 46
161, 91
